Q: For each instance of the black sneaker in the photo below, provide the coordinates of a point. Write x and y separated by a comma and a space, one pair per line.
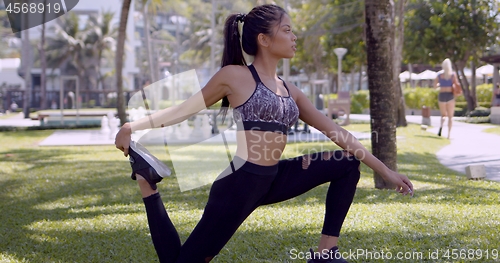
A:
439, 132
333, 256
146, 164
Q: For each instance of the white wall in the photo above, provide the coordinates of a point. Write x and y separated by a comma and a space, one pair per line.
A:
8, 72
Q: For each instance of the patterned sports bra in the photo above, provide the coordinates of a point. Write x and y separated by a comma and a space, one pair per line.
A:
265, 110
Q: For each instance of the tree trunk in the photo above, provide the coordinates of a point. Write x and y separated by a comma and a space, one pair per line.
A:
27, 60
149, 53
398, 57
379, 41
100, 78
471, 103
120, 47
43, 64
473, 82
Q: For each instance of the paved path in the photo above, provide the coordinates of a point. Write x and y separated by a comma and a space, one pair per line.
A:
468, 145
18, 120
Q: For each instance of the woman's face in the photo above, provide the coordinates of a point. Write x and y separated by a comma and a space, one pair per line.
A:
283, 39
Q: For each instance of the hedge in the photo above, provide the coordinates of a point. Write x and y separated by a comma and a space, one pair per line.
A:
415, 98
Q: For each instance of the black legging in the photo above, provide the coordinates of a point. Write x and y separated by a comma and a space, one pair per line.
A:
233, 198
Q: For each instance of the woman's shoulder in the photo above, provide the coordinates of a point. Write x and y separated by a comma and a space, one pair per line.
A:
233, 75
234, 70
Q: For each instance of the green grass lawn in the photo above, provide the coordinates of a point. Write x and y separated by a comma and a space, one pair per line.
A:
78, 204
494, 130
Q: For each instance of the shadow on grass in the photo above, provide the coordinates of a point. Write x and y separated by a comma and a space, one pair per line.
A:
52, 189
286, 245
427, 136
35, 156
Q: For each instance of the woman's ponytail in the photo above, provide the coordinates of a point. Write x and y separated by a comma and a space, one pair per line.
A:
233, 52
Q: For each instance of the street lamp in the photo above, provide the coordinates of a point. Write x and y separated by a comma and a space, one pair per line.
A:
340, 52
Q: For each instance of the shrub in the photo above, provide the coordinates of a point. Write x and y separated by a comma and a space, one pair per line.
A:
415, 98
360, 101
479, 112
484, 93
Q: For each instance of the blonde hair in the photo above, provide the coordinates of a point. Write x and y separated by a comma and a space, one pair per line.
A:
447, 68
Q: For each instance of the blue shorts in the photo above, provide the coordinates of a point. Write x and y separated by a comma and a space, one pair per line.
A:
445, 96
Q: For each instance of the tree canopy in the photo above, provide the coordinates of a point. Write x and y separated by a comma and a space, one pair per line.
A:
458, 29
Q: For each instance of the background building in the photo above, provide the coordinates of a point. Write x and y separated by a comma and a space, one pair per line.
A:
89, 94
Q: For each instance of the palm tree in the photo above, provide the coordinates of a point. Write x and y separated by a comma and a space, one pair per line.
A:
27, 56
120, 50
43, 62
379, 39
102, 37
67, 45
82, 49
153, 6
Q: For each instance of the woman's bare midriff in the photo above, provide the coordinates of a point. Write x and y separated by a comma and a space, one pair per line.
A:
260, 147
445, 89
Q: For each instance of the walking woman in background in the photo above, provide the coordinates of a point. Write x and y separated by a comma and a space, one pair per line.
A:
264, 107
446, 81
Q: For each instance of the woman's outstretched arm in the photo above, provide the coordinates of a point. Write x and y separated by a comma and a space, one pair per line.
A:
436, 82
215, 90
344, 139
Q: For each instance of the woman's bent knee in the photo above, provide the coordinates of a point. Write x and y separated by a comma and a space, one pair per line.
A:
348, 161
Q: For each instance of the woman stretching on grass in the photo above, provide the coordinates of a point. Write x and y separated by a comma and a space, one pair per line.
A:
264, 107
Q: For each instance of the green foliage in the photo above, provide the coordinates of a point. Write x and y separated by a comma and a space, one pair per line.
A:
479, 112
324, 26
216, 105
345, 29
415, 98
435, 30
360, 101
6, 51
484, 93
198, 33
82, 46
494, 130
111, 102
92, 103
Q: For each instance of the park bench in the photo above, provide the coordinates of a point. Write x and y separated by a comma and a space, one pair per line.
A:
71, 118
340, 106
